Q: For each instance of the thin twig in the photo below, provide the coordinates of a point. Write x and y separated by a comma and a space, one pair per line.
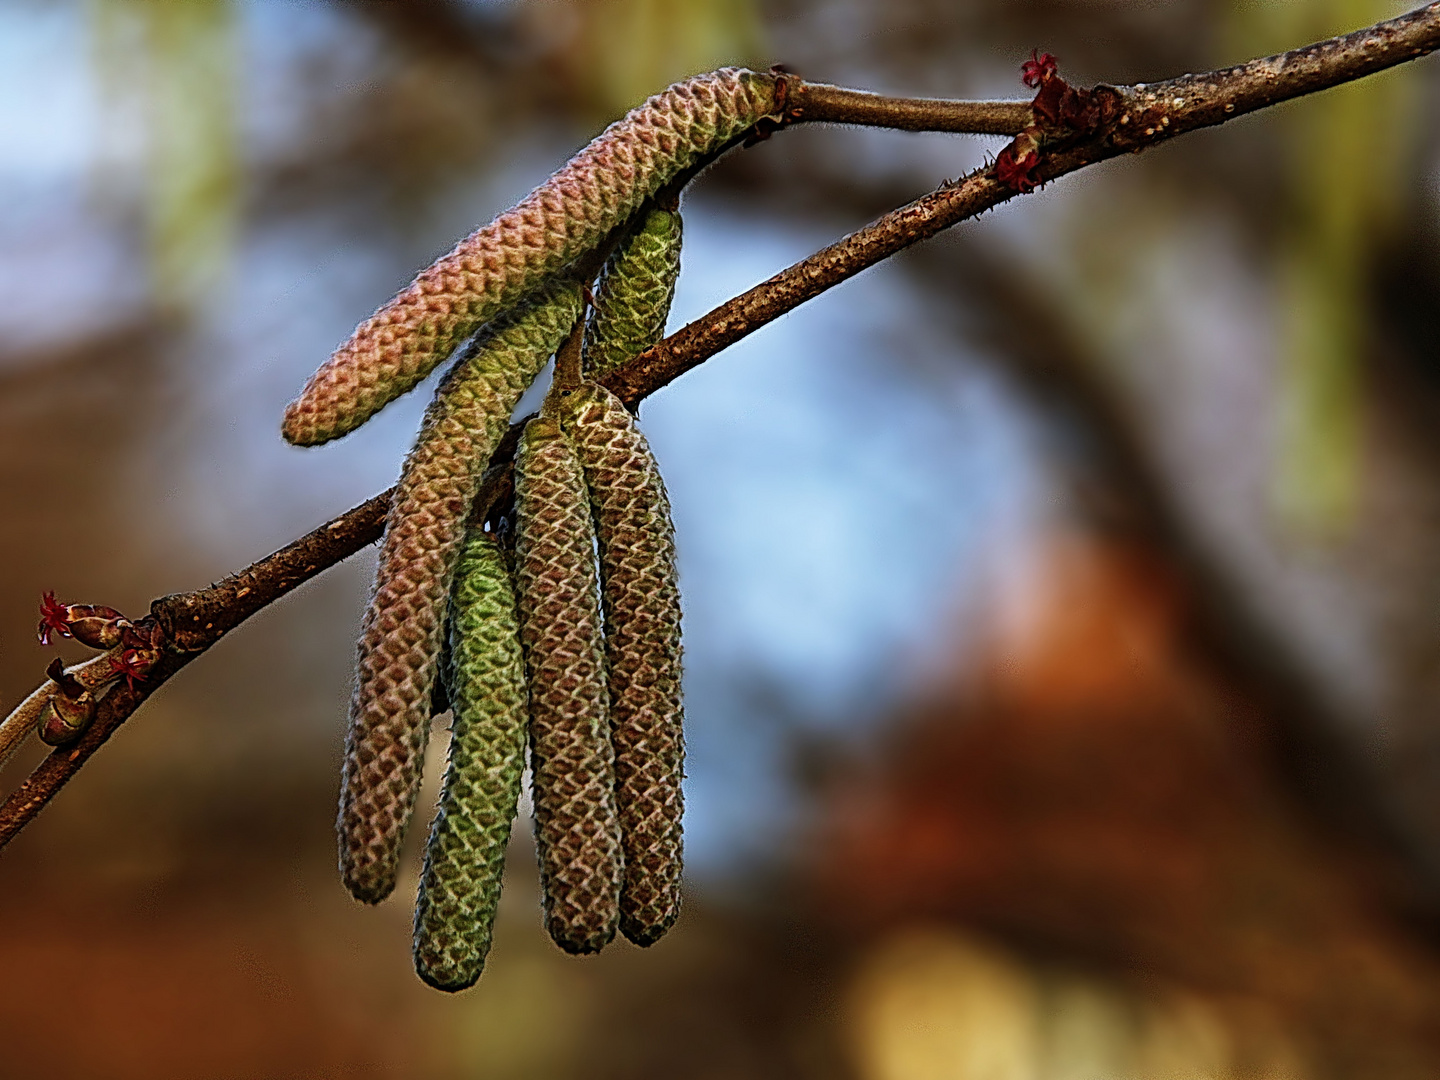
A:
1133, 119
822, 103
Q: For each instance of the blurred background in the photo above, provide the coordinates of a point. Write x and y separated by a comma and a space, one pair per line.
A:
1062, 596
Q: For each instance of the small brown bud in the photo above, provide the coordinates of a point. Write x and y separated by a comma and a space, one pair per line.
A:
68, 713
99, 631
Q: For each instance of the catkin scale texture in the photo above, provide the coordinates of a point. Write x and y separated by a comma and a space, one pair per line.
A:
633, 297
641, 602
465, 855
500, 263
401, 635
577, 831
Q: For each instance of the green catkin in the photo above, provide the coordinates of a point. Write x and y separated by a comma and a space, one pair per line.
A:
503, 262
401, 637
465, 856
633, 297
641, 602
577, 831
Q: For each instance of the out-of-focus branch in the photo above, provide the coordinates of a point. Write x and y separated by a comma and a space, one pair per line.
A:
1128, 119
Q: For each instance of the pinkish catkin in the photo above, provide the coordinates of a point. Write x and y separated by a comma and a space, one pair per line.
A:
501, 263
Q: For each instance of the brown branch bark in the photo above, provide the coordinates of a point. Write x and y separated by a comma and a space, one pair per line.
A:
1131, 119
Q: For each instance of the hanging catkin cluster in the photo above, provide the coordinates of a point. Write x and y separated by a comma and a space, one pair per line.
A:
597, 680
501, 263
606, 722
400, 639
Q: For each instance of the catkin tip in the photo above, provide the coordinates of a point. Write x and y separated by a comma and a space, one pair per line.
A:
447, 981
299, 427
290, 430
369, 888
645, 935
583, 946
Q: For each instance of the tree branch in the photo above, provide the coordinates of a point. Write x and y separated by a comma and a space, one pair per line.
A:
1130, 119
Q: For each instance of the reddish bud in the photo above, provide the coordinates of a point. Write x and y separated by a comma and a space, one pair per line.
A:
1059, 104
1049, 101
90, 624
1080, 110
134, 665
1015, 165
1039, 69
53, 618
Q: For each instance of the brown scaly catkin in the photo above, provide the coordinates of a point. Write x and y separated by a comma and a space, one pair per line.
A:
499, 264
576, 828
633, 297
641, 597
465, 855
400, 639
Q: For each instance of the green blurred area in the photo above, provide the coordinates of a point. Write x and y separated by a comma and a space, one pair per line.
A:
626, 50
174, 66
174, 63
1348, 161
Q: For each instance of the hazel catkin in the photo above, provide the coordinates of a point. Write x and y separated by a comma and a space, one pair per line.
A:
641, 603
576, 829
632, 299
499, 264
465, 854
400, 638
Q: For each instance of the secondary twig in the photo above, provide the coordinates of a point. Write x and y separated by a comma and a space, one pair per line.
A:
823, 103
1130, 119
